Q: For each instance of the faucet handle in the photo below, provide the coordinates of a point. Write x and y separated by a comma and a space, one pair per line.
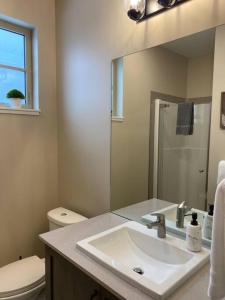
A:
160, 223
160, 217
182, 204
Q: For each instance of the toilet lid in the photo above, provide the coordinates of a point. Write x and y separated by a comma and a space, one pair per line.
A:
64, 217
21, 276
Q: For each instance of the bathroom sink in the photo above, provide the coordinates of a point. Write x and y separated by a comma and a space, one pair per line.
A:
170, 213
137, 255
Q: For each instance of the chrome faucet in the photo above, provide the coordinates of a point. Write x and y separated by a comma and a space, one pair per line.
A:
160, 224
182, 211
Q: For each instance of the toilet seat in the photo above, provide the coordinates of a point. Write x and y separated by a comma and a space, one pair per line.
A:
21, 276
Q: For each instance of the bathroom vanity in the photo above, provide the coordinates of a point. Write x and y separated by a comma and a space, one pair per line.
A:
71, 274
66, 281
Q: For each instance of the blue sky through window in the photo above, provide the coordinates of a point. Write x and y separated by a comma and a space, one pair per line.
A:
12, 53
12, 50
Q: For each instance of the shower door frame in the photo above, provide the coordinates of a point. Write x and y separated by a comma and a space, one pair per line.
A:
158, 103
153, 170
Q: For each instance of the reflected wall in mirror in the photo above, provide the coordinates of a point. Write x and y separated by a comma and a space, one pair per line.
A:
161, 106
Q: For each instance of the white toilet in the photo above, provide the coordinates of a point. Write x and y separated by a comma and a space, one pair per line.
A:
25, 279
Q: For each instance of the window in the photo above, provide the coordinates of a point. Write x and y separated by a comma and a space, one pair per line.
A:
117, 89
15, 63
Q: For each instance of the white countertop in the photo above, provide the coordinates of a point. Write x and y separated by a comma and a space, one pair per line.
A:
63, 241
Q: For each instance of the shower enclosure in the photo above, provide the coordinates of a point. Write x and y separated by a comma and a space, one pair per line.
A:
180, 168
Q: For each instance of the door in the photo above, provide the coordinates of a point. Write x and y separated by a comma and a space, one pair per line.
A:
183, 160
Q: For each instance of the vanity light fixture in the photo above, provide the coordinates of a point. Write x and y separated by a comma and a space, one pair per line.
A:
140, 10
136, 9
167, 3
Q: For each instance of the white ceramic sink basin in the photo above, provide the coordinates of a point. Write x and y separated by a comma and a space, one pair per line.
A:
170, 213
165, 263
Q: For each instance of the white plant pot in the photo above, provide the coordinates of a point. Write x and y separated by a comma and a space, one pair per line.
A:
16, 102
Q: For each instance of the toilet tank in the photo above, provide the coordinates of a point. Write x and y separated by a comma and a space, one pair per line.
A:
60, 217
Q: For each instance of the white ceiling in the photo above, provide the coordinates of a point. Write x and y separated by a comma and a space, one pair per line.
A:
194, 45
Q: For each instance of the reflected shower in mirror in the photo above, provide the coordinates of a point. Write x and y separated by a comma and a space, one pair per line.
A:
161, 115
180, 152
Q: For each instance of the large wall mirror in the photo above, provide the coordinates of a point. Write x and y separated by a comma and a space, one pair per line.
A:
161, 118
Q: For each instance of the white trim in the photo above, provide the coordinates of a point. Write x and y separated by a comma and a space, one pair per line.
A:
117, 119
27, 70
22, 111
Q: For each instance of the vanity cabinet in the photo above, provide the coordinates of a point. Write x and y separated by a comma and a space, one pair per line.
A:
107, 296
66, 282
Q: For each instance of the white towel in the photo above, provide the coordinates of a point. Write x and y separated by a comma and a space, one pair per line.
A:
217, 272
221, 171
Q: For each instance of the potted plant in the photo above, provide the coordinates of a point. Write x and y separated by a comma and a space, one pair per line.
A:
16, 98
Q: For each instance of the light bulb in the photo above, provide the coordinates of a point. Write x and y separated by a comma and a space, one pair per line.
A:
167, 3
135, 9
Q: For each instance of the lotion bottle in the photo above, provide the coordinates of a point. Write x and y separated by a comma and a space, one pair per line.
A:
208, 223
194, 235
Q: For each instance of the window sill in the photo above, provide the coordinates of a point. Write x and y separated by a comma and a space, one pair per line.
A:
117, 119
20, 111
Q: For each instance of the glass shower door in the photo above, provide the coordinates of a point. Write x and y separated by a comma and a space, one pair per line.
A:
183, 160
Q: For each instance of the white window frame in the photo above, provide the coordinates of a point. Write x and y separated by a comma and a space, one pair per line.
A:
117, 90
27, 33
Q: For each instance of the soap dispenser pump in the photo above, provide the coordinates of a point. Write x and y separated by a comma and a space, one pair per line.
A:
208, 223
194, 235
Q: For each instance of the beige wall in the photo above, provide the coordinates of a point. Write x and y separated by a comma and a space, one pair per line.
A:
156, 69
217, 138
90, 34
200, 76
28, 152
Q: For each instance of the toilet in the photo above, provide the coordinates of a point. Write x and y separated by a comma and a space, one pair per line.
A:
25, 279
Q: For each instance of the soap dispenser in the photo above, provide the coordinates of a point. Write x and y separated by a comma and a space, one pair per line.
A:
194, 235
208, 223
